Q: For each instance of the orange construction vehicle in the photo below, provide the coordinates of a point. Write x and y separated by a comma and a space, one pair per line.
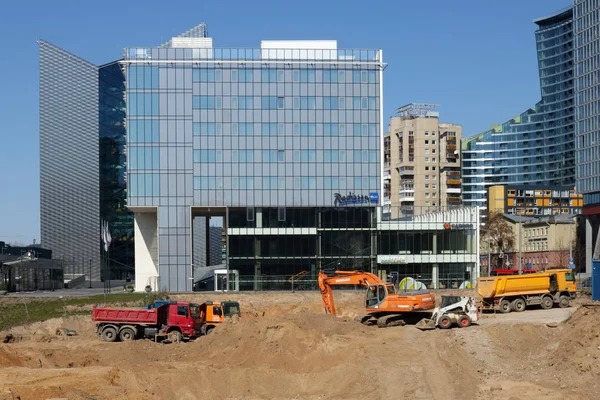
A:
214, 313
384, 306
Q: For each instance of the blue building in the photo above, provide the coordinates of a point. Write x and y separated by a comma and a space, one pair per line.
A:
536, 148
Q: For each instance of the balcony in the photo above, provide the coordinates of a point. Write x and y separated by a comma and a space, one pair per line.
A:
453, 173
387, 174
404, 171
407, 197
453, 182
453, 199
453, 190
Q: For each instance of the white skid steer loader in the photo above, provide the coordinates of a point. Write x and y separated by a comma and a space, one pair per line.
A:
458, 310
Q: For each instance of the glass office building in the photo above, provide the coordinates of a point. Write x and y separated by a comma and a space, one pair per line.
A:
82, 163
271, 138
587, 101
587, 128
537, 147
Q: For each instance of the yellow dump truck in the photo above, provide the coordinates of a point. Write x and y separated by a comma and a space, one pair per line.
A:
517, 292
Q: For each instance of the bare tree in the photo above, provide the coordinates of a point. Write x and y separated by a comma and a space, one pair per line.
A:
562, 253
499, 233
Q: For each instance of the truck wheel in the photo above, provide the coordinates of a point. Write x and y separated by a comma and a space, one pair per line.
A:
504, 306
109, 334
175, 337
209, 329
464, 321
547, 302
518, 305
126, 334
445, 322
563, 302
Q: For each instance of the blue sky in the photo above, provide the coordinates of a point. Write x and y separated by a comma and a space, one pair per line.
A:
475, 58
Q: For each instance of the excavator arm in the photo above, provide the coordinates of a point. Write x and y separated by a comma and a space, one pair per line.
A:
326, 281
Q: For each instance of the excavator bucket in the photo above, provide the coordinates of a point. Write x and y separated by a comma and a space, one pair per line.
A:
425, 324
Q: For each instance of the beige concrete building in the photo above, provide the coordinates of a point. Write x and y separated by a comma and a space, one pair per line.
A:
543, 242
421, 162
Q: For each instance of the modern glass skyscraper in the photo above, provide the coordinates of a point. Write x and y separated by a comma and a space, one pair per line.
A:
82, 162
535, 148
271, 138
587, 101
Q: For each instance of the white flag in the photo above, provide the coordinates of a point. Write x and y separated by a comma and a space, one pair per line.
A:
106, 237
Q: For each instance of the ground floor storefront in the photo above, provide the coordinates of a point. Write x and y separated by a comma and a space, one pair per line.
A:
284, 249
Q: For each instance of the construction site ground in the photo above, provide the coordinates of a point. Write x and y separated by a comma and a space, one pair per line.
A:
285, 347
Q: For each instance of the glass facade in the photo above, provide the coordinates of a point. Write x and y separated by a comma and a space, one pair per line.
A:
113, 183
69, 194
253, 128
587, 99
537, 147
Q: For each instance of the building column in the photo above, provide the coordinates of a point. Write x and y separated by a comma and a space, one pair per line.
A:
207, 239
146, 251
257, 265
435, 271
259, 221
589, 247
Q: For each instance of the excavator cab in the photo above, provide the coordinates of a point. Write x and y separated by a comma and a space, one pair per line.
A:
377, 293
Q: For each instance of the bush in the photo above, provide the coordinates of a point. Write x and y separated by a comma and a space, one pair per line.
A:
3, 287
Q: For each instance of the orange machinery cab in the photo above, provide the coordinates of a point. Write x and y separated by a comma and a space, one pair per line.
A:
383, 297
214, 312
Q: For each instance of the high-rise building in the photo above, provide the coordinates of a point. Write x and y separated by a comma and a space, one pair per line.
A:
82, 163
270, 138
421, 162
587, 127
535, 148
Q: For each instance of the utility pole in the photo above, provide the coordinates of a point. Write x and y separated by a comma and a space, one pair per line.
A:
489, 256
520, 249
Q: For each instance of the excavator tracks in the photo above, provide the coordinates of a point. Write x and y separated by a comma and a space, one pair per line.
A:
390, 320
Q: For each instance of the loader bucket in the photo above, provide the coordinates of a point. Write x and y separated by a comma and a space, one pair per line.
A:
425, 324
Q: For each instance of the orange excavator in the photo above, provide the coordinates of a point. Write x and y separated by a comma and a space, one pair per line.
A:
384, 306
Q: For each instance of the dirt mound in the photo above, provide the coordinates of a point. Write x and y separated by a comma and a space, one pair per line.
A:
578, 346
280, 342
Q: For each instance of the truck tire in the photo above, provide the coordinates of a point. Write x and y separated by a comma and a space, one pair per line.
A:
518, 305
175, 337
547, 303
109, 334
464, 321
505, 306
563, 302
126, 334
445, 322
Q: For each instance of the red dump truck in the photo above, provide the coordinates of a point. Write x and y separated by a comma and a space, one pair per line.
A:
174, 320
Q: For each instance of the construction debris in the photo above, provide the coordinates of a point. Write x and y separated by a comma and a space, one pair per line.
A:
65, 332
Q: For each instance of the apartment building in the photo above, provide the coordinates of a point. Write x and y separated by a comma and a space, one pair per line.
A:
421, 162
534, 201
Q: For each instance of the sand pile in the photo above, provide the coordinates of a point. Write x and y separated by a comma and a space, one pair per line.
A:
578, 346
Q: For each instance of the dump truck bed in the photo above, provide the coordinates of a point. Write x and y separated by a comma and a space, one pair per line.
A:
512, 285
126, 315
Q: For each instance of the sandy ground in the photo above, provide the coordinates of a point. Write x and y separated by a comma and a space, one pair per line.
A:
284, 347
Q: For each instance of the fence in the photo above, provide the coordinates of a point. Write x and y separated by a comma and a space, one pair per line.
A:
309, 282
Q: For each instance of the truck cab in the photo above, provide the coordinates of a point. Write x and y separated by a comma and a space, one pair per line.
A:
213, 313
185, 318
